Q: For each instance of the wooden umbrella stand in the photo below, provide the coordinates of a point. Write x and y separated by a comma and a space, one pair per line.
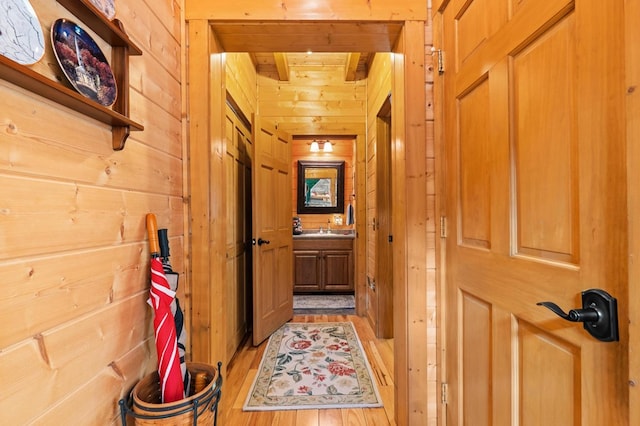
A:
144, 401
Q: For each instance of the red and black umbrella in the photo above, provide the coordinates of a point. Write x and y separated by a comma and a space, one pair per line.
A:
176, 310
160, 299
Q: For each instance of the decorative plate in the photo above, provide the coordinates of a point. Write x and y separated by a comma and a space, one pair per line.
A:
82, 62
106, 7
21, 37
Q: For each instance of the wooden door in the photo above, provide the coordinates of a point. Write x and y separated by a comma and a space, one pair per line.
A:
384, 237
535, 206
272, 260
237, 171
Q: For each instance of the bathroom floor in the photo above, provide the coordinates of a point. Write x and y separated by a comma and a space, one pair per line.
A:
313, 304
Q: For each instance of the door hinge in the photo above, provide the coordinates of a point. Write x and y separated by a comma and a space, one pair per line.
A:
439, 59
443, 227
443, 393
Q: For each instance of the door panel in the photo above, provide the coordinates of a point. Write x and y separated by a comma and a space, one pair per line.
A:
535, 186
338, 270
546, 203
273, 271
307, 270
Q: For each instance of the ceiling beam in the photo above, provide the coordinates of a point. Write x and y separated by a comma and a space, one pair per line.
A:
351, 66
282, 66
254, 59
335, 37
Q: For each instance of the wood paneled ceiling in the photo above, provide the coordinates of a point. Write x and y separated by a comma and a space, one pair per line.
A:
279, 45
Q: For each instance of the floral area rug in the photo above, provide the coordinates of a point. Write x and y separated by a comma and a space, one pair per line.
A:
313, 365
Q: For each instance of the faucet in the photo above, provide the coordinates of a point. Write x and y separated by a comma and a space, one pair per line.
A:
320, 232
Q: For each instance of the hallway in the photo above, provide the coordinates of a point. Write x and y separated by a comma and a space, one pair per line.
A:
243, 368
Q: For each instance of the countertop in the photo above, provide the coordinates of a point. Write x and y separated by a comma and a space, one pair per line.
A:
335, 233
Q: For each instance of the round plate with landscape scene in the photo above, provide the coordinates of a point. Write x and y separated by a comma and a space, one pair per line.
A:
82, 62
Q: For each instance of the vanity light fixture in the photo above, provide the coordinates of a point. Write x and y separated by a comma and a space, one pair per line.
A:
326, 146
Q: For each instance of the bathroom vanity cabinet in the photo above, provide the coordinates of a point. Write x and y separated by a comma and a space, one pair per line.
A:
323, 265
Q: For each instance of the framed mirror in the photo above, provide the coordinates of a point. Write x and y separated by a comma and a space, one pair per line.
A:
320, 187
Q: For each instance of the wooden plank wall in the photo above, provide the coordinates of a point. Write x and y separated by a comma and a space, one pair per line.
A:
76, 329
241, 82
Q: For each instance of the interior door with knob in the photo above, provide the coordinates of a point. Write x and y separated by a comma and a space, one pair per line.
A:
273, 240
535, 211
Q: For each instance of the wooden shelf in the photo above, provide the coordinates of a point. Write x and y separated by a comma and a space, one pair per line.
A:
110, 31
122, 47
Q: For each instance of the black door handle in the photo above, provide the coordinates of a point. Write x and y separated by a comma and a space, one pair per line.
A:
261, 241
599, 314
574, 315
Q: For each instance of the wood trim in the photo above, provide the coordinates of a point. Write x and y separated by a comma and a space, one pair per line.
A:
292, 10
198, 164
360, 205
399, 210
206, 148
410, 228
440, 204
217, 207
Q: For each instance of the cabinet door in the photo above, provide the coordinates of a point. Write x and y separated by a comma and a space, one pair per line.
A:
307, 272
337, 270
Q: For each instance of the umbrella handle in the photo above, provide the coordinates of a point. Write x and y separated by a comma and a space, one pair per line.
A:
164, 244
152, 231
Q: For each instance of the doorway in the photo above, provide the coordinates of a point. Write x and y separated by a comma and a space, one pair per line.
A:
324, 264
410, 182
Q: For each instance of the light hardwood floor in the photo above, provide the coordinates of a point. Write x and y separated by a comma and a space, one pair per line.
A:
244, 366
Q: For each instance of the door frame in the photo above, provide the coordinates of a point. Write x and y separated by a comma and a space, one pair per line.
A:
205, 94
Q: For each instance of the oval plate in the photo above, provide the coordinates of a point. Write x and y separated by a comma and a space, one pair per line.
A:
82, 62
21, 37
